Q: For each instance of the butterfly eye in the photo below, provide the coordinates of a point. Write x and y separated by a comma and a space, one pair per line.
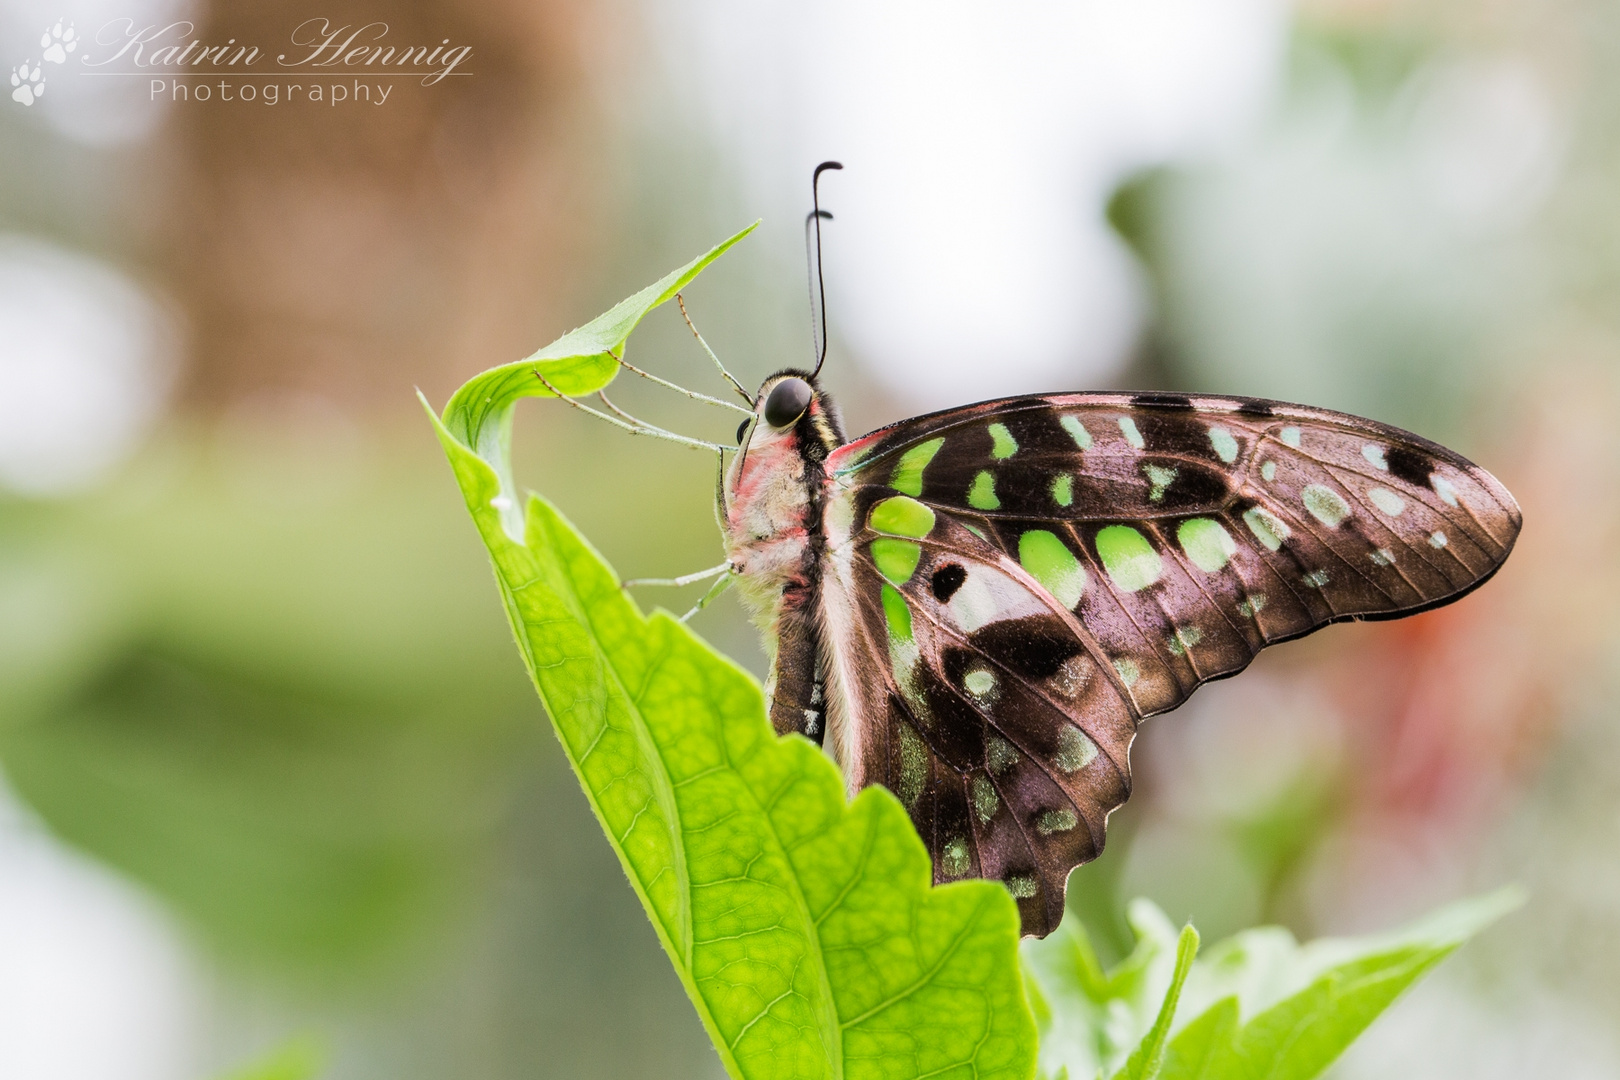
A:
742, 429
787, 402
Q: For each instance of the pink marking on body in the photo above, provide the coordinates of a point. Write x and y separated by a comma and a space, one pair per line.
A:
842, 456
767, 496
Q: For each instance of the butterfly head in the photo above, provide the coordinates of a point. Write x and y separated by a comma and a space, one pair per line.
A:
780, 451
792, 415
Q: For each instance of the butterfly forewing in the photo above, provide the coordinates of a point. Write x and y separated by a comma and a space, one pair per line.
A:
1013, 585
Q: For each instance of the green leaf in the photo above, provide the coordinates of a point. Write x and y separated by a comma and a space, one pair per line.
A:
1304, 1004
804, 928
582, 361
1088, 1020
1310, 1003
1146, 1060
1203, 1049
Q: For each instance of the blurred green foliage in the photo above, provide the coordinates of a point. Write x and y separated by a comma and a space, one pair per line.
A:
1256, 1005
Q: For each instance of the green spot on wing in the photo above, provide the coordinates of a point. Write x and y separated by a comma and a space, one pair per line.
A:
908, 471
1023, 886
1160, 477
1075, 749
1226, 447
1325, 505
1050, 562
985, 799
979, 682
1128, 557
1077, 431
954, 861
897, 614
1056, 821
1005, 445
902, 516
1000, 755
1266, 527
1063, 489
896, 559
913, 765
982, 495
1207, 543
1127, 427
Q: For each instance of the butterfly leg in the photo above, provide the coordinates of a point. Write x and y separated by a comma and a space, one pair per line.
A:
632, 425
677, 582
693, 394
714, 590
735, 385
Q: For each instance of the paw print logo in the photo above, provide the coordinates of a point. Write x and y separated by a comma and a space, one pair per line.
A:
28, 83
58, 42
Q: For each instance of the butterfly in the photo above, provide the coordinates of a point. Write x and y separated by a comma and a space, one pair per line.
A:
976, 608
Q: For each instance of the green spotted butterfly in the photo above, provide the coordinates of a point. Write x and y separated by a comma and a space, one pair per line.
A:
977, 607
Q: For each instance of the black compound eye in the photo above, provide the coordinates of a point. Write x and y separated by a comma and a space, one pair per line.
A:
742, 429
787, 401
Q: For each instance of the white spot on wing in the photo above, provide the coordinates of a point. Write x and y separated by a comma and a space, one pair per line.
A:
1375, 456
1128, 671
1387, 501
1072, 677
988, 596
1442, 487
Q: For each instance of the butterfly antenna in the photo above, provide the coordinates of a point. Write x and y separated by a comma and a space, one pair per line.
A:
735, 385
818, 288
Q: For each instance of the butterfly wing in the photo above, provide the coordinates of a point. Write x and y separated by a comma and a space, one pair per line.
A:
1010, 587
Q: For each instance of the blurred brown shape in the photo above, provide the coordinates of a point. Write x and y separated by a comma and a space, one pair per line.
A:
352, 251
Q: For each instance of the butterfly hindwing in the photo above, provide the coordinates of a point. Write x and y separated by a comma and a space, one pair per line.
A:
1127, 548
1003, 736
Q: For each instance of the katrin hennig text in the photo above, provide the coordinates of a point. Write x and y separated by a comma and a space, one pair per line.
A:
321, 47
